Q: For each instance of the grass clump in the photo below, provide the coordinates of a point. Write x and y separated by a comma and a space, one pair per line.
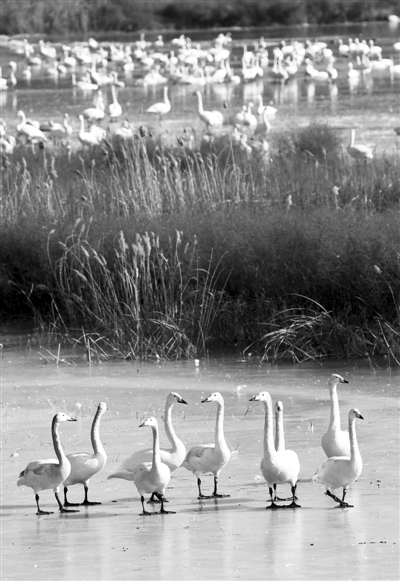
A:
166, 251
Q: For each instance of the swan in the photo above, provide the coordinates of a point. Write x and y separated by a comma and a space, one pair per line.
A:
96, 113
341, 471
45, 474
264, 127
249, 118
88, 137
335, 442
83, 465
84, 84
359, 151
114, 108
352, 73
161, 108
277, 467
210, 118
206, 458
31, 132
271, 111
172, 457
152, 477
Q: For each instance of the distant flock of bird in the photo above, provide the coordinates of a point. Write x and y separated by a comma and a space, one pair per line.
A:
150, 469
181, 62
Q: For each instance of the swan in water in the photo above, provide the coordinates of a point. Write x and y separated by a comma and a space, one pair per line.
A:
89, 138
210, 118
152, 477
84, 465
335, 442
44, 474
341, 471
277, 467
163, 107
359, 151
264, 127
31, 132
267, 109
206, 458
114, 108
172, 457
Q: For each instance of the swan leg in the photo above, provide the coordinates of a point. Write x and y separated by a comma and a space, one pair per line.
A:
153, 499
39, 510
86, 502
215, 494
199, 485
162, 500
61, 508
281, 499
272, 506
336, 499
66, 503
294, 498
145, 512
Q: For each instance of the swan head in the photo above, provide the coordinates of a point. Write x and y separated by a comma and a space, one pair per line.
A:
279, 406
151, 422
174, 397
62, 417
102, 407
262, 396
215, 396
354, 413
335, 378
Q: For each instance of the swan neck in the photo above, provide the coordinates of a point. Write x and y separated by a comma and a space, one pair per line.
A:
200, 103
353, 438
95, 435
334, 423
279, 433
219, 426
169, 430
156, 447
62, 459
269, 445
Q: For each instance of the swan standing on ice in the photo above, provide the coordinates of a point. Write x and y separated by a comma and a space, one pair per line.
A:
84, 465
44, 474
210, 118
277, 467
359, 151
172, 457
335, 442
163, 107
152, 477
207, 458
341, 471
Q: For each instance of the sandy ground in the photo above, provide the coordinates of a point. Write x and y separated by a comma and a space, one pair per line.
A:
230, 538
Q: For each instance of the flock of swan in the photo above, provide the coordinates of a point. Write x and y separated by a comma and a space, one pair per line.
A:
181, 62
150, 469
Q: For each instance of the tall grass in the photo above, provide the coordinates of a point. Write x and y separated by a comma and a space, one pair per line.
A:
165, 250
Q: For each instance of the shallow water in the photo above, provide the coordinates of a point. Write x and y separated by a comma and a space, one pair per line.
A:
370, 104
230, 538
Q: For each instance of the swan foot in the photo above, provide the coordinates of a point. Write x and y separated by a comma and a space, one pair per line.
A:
215, 495
284, 499
293, 505
147, 513
86, 503
67, 503
273, 506
62, 509
40, 511
163, 511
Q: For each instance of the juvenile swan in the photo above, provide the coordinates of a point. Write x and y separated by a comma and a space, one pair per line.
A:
212, 458
152, 477
277, 467
339, 471
335, 442
84, 465
172, 457
45, 474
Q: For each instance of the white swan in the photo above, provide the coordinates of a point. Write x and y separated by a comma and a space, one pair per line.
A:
335, 442
114, 108
341, 471
85, 465
210, 118
359, 151
44, 474
264, 127
268, 109
96, 113
172, 457
88, 137
207, 458
161, 108
31, 132
279, 431
152, 477
277, 467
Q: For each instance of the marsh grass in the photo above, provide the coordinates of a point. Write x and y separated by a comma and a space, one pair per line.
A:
147, 250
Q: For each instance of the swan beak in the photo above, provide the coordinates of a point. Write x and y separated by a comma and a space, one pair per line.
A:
254, 398
72, 420
181, 400
360, 417
141, 425
343, 380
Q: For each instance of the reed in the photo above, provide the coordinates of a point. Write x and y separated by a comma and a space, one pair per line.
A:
154, 250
